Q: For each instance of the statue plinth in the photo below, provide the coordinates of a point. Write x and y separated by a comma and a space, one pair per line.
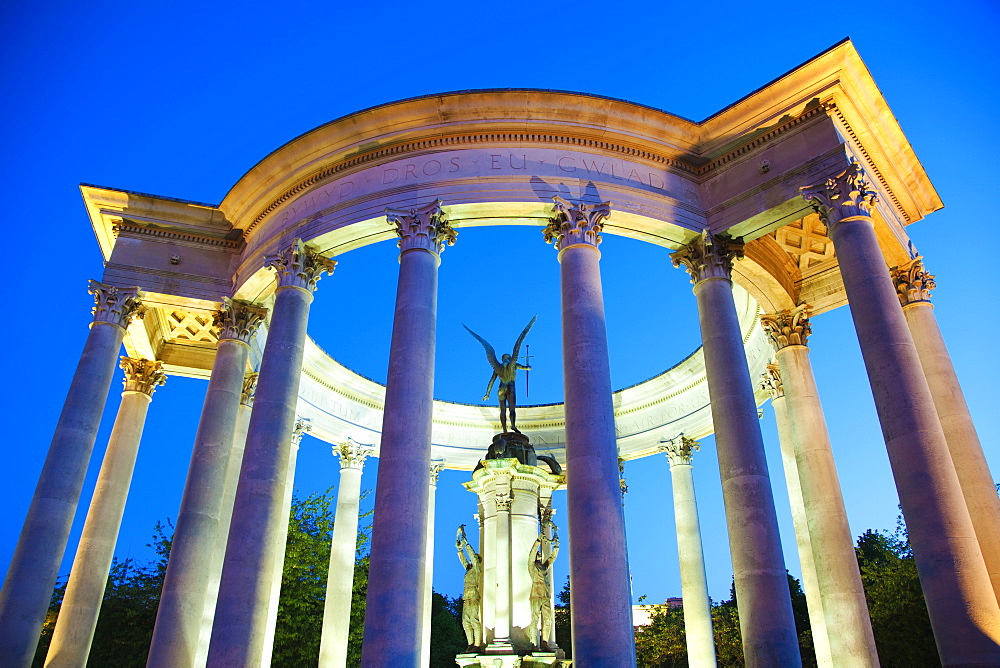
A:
518, 544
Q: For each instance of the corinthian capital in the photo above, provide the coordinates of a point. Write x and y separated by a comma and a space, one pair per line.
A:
302, 425
352, 455
913, 282
436, 468
142, 375
426, 228
576, 223
116, 306
709, 256
299, 266
846, 195
790, 327
771, 381
249, 389
680, 449
238, 319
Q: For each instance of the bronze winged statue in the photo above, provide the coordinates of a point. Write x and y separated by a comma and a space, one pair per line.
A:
506, 370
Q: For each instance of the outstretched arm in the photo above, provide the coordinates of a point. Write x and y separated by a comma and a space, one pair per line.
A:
460, 542
524, 367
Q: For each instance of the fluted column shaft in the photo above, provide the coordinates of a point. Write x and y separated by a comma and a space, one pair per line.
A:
74, 631
960, 601
601, 598
807, 564
766, 621
248, 570
31, 576
343, 549
698, 634
195, 563
394, 607
913, 285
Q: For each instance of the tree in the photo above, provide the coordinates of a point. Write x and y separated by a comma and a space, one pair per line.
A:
900, 623
447, 635
563, 620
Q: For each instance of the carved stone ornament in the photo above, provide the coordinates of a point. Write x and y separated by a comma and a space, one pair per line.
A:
771, 381
238, 319
249, 389
622, 483
302, 425
299, 266
846, 195
790, 327
545, 514
679, 450
709, 256
503, 501
426, 228
576, 223
116, 306
142, 375
352, 455
913, 282
436, 468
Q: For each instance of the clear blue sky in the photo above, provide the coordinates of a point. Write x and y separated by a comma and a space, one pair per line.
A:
179, 99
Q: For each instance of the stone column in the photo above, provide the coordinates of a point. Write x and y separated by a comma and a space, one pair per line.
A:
258, 515
810, 582
913, 287
694, 585
195, 563
602, 605
343, 550
226, 514
280, 537
960, 601
845, 610
428, 586
395, 599
31, 576
88, 579
766, 621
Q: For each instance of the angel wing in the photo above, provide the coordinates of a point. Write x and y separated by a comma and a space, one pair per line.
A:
515, 354
491, 354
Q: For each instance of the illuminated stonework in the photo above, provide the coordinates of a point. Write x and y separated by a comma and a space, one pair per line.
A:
709, 256
913, 282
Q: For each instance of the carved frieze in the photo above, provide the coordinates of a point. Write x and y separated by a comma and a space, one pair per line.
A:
790, 327
299, 266
238, 319
426, 228
576, 223
847, 195
142, 375
913, 282
114, 305
709, 256
679, 450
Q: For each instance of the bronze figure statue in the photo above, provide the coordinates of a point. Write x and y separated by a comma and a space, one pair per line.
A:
541, 587
506, 371
471, 594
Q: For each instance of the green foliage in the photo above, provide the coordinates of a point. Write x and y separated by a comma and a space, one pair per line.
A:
447, 635
128, 612
900, 623
563, 621
662, 642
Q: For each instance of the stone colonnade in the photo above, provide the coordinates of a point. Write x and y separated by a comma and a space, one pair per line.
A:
956, 585
954, 548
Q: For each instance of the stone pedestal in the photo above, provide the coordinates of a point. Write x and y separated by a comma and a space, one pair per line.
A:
515, 558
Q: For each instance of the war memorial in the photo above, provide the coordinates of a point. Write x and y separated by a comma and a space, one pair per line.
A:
789, 203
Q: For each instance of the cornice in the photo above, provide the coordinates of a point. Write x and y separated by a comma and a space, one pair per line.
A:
131, 228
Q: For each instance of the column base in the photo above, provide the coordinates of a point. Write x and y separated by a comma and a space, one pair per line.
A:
511, 660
